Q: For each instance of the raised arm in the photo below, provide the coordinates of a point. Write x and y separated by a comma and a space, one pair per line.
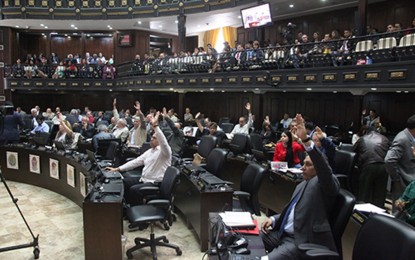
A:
164, 145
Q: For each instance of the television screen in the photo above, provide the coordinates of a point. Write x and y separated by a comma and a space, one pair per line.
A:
256, 16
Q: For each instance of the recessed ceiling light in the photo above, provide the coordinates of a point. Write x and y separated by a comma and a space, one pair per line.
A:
76, 28
398, 91
291, 6
212, 89
406, 91
374, 89
72, 25
309, 89
109, 26
46, 27
42, 24
139, 22
335, 92
176, 21
160, 26
17, 26
141, 89
239, 17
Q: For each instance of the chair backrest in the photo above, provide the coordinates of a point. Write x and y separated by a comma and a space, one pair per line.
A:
383, 238
239, 143
206, 145
215, 161
344, 162
112, 151
407, 40
364, 46
50, 124
223, 120
340, 215
256, 141
227, 127
386, 43
169, 183
346, 147
251, 182
103, 145
41, 138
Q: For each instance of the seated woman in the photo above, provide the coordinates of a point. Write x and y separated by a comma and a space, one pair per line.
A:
268, 134
65, 133
287, 150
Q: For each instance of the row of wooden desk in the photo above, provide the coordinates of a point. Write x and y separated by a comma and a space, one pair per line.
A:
65, 175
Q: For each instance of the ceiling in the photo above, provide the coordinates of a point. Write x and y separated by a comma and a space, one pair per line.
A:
196, 23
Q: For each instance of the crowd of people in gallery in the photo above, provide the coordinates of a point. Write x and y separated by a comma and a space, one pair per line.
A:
296, 51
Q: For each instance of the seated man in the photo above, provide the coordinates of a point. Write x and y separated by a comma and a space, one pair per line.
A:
86, 129
210, 129
138, 134
243, 126
121, 130
155, 162
304, 219
41, 126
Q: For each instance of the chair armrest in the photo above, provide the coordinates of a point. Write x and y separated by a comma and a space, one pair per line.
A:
159, 203
149, 190
317, 251
241, 194
341, 176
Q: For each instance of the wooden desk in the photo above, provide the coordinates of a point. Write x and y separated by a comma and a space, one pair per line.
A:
195, 206
102, 228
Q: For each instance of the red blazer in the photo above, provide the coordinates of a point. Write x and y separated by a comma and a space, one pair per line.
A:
281, 151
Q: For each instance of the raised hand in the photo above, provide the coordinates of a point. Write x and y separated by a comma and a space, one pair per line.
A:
137, 105
164, 111
301, 132
319, 133
266, 120
248, 106
155, 119
114, 103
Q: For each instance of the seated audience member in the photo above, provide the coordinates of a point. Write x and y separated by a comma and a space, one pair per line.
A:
172, 116
41, 126
176, 140
48, 115
72, 118
121, 130
59, 71
243, 126
285, 122
71, 69
18, 69
210, 129
108, 71
102, 134
138, 133
87, 129
188, 117
100, 118
379, 128
305, 218
359, 134
287, 150
155, 162
65, 134
371, 119
44, 70
268, 134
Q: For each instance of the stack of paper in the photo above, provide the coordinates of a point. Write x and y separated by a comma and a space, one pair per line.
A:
237, 219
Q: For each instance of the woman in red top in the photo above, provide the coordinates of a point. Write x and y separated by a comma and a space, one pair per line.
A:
287, 151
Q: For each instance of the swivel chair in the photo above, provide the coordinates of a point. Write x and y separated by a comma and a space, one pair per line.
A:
215, 161
344, 165
111, 157
380, 237
247, 197
257, 149
154, 211
206, 145
338, 219
103, 145
239, 144
227, 127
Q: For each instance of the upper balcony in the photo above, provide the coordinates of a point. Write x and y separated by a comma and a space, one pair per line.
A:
384, 62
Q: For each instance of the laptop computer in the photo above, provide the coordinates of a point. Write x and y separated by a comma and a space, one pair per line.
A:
111, 188
61, 147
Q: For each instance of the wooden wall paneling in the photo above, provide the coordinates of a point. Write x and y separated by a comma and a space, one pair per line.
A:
192, 42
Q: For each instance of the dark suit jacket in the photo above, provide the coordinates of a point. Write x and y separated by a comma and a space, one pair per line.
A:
10, 131
317, 197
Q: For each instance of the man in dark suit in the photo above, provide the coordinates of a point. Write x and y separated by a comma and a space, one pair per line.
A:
304, 219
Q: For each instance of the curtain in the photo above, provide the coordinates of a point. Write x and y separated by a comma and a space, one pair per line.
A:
210, 37
229, 34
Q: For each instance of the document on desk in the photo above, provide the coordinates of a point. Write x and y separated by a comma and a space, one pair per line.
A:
368, 207
237, 219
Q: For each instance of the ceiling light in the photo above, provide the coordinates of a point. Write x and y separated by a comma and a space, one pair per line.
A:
42, 24
46, 27
176, 21
309, 89
139, 22
291, 6
160, 26
398, 91
374, 89
334, 91
72, 25
212, 89
239, 17
17, 26
109, 26
76, 28
406, 91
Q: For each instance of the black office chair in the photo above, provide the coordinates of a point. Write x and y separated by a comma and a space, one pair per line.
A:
154, 211
338, 219
346, 147
215, 161
103, 145
227, 127
206, 145
50, 124
239, 144
380, 237
257, 149
344, 164
247, 196
223, 120
111, 157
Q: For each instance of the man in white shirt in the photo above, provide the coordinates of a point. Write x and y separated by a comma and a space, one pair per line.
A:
243, 126
155, 162
121, 130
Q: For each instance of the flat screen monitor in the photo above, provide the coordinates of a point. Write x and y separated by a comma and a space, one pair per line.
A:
256, 16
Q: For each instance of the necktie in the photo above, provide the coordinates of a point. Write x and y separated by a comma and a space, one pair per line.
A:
132, 138
287, 213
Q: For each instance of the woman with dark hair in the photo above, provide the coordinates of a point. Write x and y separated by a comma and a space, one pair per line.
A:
9, 122
287, 150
